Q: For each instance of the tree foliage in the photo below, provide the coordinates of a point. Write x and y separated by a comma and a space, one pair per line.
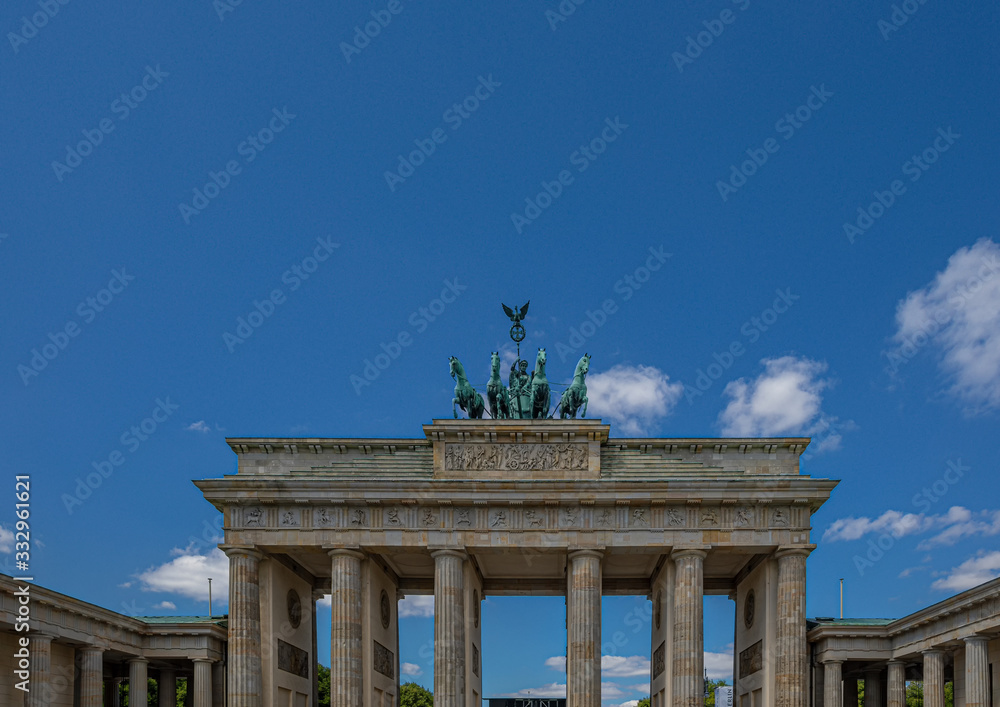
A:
413, 695
323, 685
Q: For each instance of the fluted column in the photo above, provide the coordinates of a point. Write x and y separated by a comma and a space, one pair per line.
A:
583, 628
202, 682
934, 678
346, 681
91, 676
833, 693
851, 692
40, 665
166, 688
792, 650
896, 696
977, 689
874, 695
689, 638
138, 687
245, 679
449, 628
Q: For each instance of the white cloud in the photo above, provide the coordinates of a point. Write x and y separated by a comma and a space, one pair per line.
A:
635, 398
720, 665
199, 426
958, 312
166, 605
628, 703
973, 572
411, 669
187, 575
784, 399
6, 540
609, 690
417, 605
612, 666
956, 523
325, 600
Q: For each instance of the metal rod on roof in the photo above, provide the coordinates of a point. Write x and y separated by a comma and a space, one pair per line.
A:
841, 597
210, 599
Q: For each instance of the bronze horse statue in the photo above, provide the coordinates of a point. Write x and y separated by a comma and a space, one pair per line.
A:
496, 391
466, 396
540, 398
575, 396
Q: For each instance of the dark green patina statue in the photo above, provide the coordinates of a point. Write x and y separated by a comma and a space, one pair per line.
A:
526, 396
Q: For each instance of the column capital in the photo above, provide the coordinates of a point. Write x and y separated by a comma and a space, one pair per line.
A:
354, 552
203, 660
794, 550
235, 550
698, 551
896, 662
41, 637
933, 651
138, 659
92, 649
449, 551
975, 639
832, 662
586, 552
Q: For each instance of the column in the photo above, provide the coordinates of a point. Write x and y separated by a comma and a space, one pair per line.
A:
316, 595
833, 691
449, 628
40, 665
91, 676
791, 649
897, 684
203, 682
583, 628
689, 640
851, 691
346, 682
245, 677
874, 695
166, 688
138, 687
934, 678
977, 690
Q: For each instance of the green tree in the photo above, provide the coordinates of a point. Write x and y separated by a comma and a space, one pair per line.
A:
644, 702
323, 685
711, 685
413, 695
915, 694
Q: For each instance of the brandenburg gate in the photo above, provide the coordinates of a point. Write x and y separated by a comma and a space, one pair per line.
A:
513, 506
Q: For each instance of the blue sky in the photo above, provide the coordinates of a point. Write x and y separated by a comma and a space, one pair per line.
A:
172, 169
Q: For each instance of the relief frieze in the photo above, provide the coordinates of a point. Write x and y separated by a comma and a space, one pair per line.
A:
516, 457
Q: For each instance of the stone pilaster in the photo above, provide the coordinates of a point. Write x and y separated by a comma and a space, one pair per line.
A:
346, 658
689, 638
934, 678
583, 628
41, 671
896, 694
166, 688
91, 676
219, 684
245, 678
449, 628
977, 689
791, 650
833, 692
316, 596
138, 687
851, 691
874, 694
